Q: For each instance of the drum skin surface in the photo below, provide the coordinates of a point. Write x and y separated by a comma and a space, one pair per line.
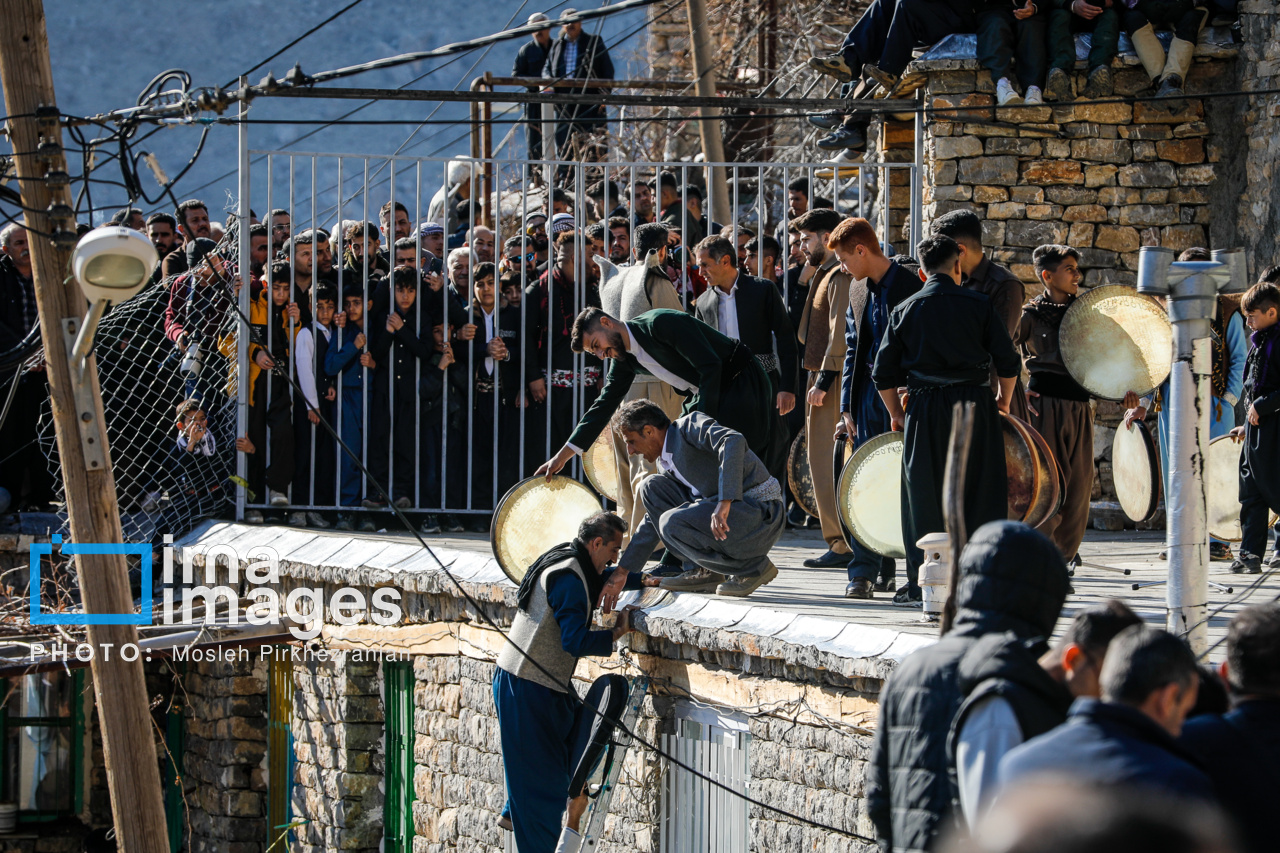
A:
1222, 488
1115, 340
869, 495
1135, 468
1051, 492
600, 465
535, 516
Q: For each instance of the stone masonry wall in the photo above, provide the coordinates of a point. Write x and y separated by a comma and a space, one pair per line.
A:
1257, 122
337, 734
225, 781
1106, 178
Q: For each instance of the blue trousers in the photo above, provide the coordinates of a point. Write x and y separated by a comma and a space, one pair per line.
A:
536, 726
872, 419
352, 432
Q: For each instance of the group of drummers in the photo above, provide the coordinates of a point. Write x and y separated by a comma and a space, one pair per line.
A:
886, 345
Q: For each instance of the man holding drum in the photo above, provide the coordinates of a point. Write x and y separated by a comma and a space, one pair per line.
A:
941, 344
1056, 404
879, 285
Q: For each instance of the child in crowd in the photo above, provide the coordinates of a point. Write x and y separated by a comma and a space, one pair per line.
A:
314, 400
193, 429
348, 358
1101, 20
442, 395
1006, 27
397, 348
1056, 404
1260, 461
273, 321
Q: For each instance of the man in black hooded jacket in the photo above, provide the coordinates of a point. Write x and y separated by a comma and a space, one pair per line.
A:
1012, 579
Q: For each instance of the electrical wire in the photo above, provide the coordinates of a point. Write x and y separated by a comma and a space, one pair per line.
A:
335, 16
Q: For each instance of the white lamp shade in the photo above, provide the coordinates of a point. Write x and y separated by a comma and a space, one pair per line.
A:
113, 263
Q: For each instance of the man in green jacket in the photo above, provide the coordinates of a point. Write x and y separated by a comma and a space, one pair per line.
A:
716, 375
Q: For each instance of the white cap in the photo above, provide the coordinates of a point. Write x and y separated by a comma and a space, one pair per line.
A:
538, 18
569, 13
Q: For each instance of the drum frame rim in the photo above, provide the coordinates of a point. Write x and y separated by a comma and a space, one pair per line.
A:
877, 441
493, 522
1048, 460
1154, 456
791, 483
587, 470
1023, 429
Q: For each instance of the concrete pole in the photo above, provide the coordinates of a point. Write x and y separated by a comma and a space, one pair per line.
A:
1193, 290
128, 742
709, 124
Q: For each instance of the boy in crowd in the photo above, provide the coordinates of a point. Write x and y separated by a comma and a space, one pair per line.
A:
442, 392
941, 344
273, 321
494, 361
193, 429
1101, 19
1260, 461
348, 359
1003, 27
396, 347
761, 258
1056, 404
314, 400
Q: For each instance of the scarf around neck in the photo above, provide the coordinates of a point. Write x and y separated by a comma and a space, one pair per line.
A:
558, 554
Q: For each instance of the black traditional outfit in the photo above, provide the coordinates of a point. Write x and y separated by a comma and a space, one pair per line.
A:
1260, 460
941, 344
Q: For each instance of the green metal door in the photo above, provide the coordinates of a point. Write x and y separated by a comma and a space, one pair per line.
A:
398, 811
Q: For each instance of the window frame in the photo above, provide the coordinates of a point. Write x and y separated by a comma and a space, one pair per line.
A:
75, 721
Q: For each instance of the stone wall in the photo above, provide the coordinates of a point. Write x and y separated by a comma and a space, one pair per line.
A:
1254, 194
225, 782
337, 736
1106, 178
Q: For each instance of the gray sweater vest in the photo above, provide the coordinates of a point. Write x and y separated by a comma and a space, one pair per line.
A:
537, 633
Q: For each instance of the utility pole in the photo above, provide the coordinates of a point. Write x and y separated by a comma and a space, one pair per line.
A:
133, 772
704, 74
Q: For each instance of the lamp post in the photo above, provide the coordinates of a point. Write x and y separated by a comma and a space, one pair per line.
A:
1191, 289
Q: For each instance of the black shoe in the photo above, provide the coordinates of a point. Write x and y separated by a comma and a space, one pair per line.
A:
908, 596
797, 517
827, 120
858, 588
1100, 84
884, 586
1220, 552
1274, 562
1075, 562
430, 525
367, 525
478, 524
1171, 87
664, 571
345, 522
843, 137
1246, 564
827, 560
450, 524
1057, 86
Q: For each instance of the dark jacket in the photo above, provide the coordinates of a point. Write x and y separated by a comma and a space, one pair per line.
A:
860, 347
1240, 751
593, 64
12, 320
400, 363
762, 321
1008, 667
530, 60
1107, 743
1012, 579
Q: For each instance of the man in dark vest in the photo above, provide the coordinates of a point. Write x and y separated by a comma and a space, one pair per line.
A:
716, 375
551, 630
1011, 579
529, 62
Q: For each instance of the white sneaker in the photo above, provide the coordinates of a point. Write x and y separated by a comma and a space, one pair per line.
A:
1006, 95
151, 502
252, 516
297, 519
1033, 96
278, 498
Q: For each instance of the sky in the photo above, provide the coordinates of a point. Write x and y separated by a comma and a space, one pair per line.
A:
104, 53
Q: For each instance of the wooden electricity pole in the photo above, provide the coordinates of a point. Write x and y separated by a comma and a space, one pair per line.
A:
704, 72
133, 772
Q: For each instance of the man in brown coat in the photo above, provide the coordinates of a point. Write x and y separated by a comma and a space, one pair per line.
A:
821, 333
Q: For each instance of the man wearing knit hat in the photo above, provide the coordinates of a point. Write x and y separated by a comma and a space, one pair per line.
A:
529, 63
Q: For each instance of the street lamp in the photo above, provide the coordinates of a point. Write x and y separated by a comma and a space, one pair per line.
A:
1191, 289
111, 263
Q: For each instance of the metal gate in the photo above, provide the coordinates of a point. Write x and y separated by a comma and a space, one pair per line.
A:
452, 440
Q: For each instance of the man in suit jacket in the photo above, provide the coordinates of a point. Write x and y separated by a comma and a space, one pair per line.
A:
577, 55
750, 310
714, 505
716, 375
879, 285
